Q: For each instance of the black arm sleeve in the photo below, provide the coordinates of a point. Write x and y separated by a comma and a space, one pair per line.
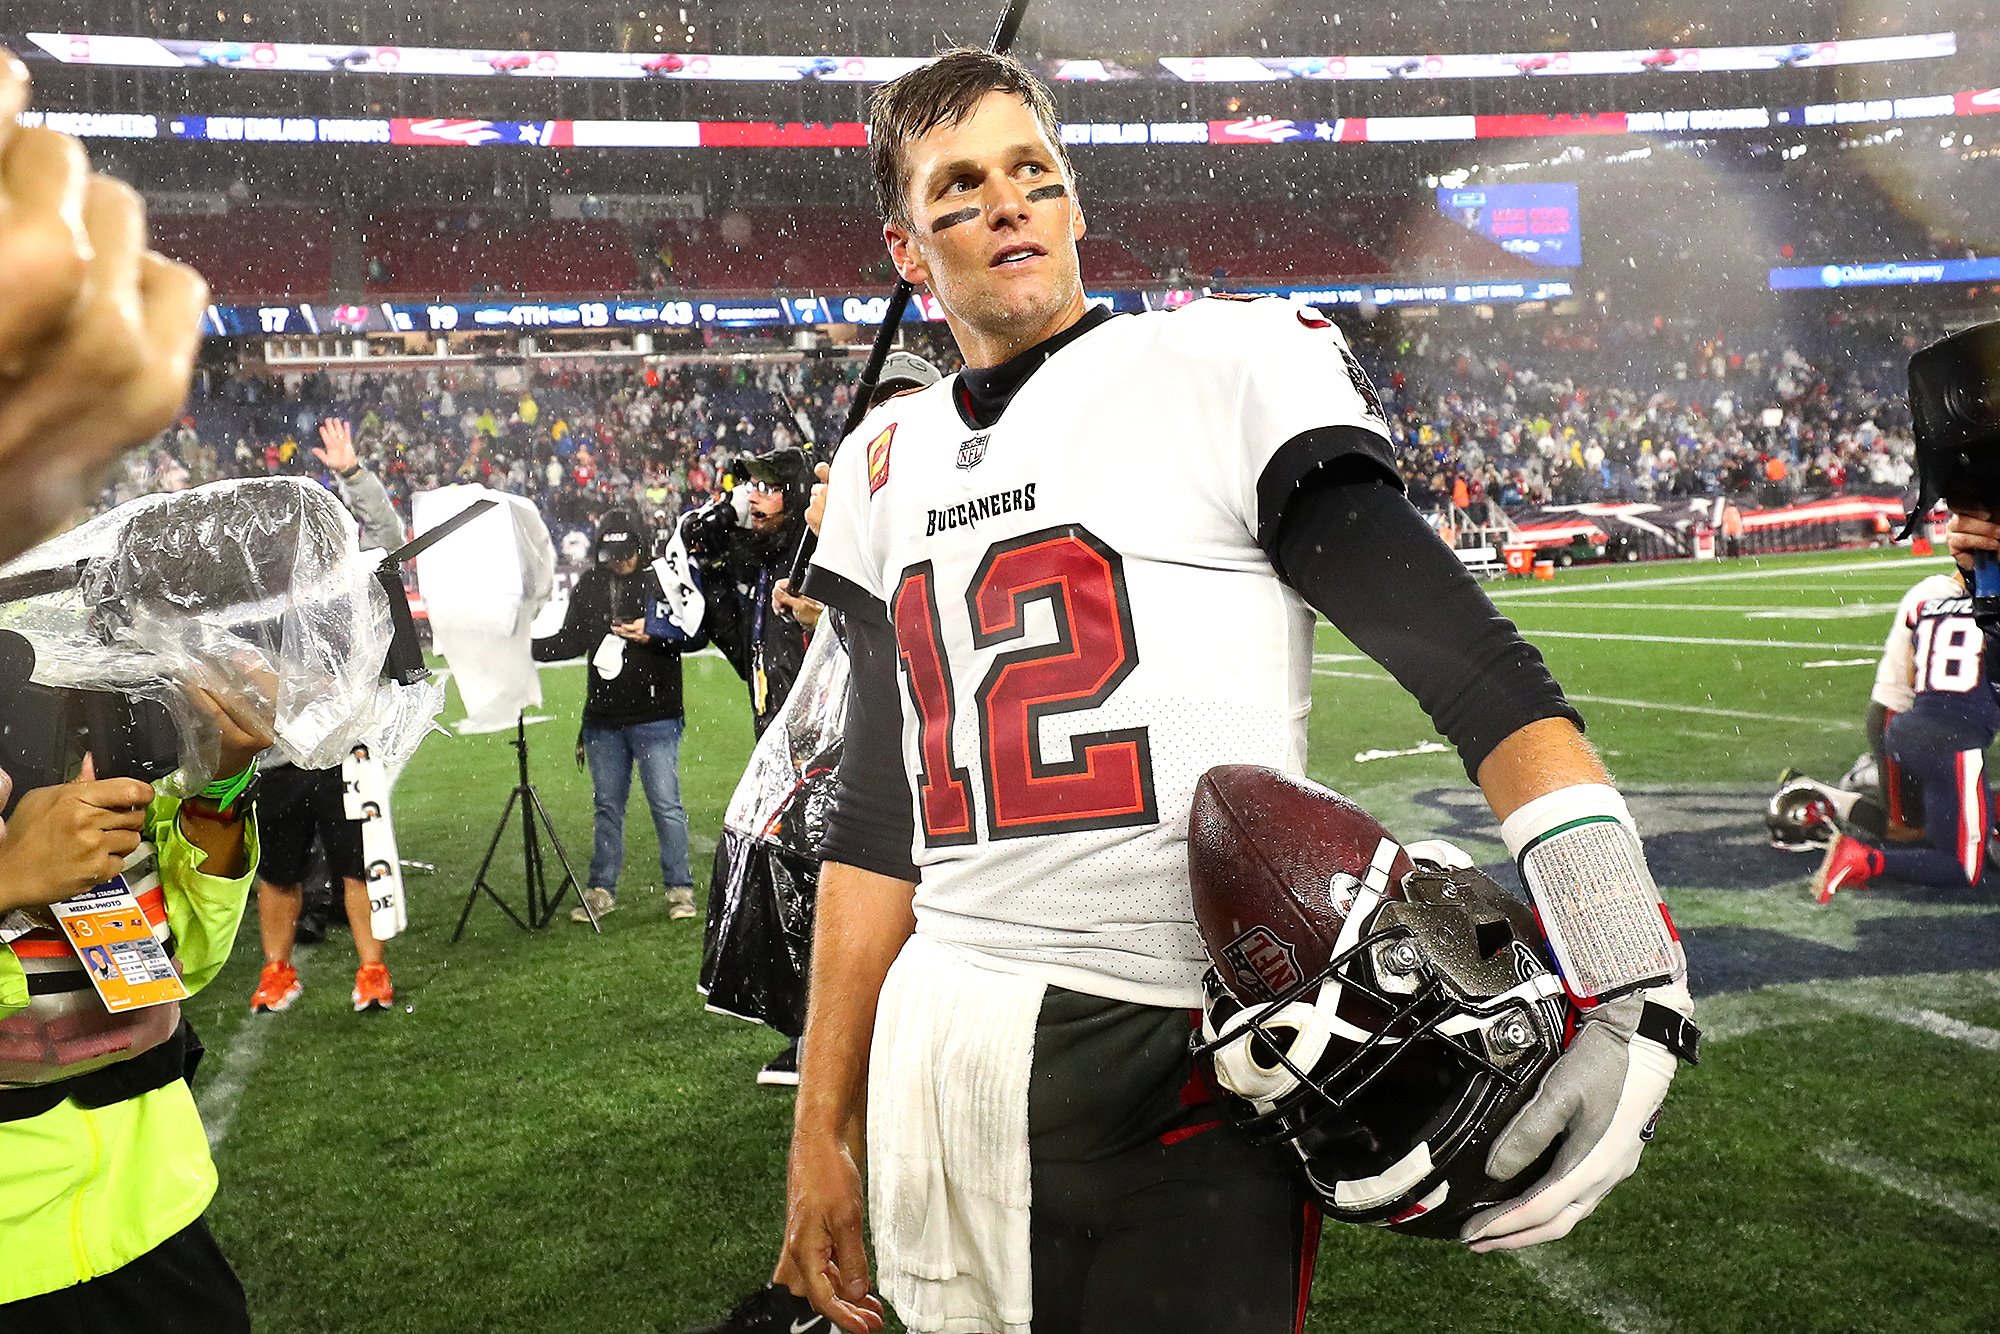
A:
872, 826
1358, 552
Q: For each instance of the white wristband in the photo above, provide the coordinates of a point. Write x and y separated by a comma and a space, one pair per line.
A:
1579, 855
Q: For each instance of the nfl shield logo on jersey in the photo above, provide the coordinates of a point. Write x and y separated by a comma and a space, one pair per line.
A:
972, 451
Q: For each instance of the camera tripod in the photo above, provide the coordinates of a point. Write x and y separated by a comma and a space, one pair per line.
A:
540, 906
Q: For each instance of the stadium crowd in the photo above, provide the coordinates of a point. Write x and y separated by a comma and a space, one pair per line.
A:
1574, 413
1520, 414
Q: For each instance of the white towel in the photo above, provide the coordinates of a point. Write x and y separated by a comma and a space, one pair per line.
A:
948, 1141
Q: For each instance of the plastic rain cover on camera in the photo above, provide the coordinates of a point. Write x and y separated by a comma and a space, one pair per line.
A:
253, 588
757, 948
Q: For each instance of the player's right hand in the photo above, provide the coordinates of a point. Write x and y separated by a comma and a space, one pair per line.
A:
1971, 529
823, 1259
97, 333
63, 840
816, 507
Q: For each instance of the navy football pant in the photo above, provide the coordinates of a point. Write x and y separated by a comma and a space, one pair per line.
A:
1950, 767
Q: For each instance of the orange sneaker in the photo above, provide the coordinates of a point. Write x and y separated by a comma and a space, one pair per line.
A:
372, 988
277, 987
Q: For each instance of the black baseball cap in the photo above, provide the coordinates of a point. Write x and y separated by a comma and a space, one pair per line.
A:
621, 534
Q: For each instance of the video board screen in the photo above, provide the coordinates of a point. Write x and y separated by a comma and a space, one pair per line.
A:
1537, 222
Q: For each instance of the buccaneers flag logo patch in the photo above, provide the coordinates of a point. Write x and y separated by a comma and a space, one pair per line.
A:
878, 459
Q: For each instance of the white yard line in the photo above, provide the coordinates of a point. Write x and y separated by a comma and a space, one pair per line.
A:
1723, 577
1823, 723
239, 1059
1930, 1021
1851, 609
1919, 1186
1570, 1281
1532, 635
1840, 662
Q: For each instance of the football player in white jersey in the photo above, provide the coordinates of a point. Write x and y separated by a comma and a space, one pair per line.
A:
1076, 576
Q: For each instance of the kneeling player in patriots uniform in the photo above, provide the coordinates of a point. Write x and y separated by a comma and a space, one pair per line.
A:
1077, 576
1940, 742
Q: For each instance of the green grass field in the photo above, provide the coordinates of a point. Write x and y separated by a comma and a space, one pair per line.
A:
549, 1133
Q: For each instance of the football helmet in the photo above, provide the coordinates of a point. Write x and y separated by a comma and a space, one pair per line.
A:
1376, 1018
1801, 816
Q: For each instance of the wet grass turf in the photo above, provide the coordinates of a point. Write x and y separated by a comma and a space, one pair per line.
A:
549, 1133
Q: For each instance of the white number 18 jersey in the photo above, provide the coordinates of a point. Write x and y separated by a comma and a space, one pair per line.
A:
1086, 622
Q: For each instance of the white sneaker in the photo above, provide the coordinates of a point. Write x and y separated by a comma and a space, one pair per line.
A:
680, 902
601, 901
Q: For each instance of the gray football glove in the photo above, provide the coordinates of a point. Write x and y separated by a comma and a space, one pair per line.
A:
1602, 1096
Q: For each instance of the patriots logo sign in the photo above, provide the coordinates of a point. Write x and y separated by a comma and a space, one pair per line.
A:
973, 451
1258, 954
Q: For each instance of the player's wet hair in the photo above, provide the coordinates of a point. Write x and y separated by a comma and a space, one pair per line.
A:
945, 92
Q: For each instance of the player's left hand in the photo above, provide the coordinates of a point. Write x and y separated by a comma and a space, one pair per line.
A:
1971, 530
1603, 1096
633, 630
803, 610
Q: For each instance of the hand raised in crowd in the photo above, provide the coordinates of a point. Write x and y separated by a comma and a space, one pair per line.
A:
97, 333
801, 609
1971, 530
65, 839
816, 507
338, 440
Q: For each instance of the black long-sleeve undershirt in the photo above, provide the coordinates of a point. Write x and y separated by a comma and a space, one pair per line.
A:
1358, 553
1363, 557
872, 824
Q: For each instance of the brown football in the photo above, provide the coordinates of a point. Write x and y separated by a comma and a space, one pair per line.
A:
1263, 848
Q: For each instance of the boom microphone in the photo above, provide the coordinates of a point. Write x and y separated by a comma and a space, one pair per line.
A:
1004, 33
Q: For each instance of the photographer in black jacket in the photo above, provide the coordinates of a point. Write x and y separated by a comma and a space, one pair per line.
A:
631, 711
742, 545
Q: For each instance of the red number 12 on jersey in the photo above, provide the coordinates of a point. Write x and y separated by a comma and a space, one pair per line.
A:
1107, 780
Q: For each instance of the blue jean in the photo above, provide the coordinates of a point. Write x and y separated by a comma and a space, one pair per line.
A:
657, 749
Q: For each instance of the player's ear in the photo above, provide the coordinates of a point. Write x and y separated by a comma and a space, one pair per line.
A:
904, 256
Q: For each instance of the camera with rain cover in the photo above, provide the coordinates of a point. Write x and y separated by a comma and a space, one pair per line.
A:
1955, 413
254, 588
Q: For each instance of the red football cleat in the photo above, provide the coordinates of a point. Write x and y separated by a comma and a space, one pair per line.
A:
1849, 864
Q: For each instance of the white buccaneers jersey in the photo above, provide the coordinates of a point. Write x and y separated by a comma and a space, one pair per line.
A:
1086, 622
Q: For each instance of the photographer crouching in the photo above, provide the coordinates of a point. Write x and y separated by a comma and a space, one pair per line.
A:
631, 711
106, 1164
